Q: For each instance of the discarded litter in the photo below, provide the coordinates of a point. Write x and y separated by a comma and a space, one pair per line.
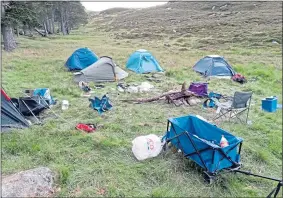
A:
224, 142
210, 102
89, 128
85, 88
148, 146
143, 87
99, 86
132, 89
199, 88
239, 78
101, 105
176, 97
45, 94
65, 104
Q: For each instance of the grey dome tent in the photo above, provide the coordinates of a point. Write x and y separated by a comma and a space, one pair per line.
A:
214, 65
10, 115
103, 70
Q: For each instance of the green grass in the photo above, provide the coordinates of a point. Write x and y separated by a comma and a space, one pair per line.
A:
88, 163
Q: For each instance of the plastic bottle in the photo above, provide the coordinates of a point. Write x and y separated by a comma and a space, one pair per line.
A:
65, 104
223, 142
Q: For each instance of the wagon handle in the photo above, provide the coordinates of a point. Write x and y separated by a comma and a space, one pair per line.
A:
275, 190
255, 175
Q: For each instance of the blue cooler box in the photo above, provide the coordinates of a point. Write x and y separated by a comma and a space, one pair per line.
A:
269, 104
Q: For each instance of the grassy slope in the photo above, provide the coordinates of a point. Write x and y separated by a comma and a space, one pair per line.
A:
87, 163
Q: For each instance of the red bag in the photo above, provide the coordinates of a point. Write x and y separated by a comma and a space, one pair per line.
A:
89, 128
239, 78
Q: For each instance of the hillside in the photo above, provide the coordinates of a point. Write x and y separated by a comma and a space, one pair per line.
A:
214, 22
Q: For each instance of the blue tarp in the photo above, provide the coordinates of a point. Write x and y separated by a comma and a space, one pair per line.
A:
45, 94
142, 61
101, 105
81, 58
206, 138
210, 101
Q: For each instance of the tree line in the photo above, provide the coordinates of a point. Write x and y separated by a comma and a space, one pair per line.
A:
42, 17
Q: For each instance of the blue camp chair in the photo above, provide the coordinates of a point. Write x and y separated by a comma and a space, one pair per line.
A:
101, 105
199, 141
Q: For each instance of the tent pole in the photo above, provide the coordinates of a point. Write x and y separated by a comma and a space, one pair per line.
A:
31, 112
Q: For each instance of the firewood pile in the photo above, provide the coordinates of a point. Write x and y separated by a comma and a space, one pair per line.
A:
178, 98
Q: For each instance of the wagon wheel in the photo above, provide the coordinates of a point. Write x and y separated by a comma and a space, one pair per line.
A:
165, 146
209, 177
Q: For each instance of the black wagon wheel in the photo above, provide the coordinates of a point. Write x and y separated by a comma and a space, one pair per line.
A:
209, 177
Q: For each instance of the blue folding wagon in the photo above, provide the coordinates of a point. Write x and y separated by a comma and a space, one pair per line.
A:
199, 141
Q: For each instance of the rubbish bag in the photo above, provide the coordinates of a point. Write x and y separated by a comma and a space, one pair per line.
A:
148, 146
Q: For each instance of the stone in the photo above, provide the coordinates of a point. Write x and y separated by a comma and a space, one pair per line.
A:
38, 182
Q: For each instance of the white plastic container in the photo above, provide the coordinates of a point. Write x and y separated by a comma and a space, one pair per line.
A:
146, 146
65, 104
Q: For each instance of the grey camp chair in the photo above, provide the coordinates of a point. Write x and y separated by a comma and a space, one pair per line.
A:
234, 107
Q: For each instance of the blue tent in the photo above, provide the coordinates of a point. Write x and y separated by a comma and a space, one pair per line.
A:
81, 58
214, 65
142, 61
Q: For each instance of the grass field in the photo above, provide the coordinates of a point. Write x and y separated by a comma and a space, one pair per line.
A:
102, 163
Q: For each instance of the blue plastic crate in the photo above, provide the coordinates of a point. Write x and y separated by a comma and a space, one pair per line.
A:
269, 104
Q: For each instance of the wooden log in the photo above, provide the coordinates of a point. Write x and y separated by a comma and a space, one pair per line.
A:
170, 96
142, 100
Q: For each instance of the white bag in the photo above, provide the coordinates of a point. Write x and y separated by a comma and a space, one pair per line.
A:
146, 146
144, 87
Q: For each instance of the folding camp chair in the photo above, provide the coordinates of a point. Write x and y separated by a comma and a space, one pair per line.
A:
235, 106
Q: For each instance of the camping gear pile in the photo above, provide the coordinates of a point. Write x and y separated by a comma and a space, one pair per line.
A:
14, 110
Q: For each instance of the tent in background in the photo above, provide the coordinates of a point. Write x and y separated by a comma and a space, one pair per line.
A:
80, 59
142, 61
10, 115
214, 65
104, 70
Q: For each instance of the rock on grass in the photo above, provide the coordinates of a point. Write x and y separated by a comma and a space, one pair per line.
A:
38, 182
